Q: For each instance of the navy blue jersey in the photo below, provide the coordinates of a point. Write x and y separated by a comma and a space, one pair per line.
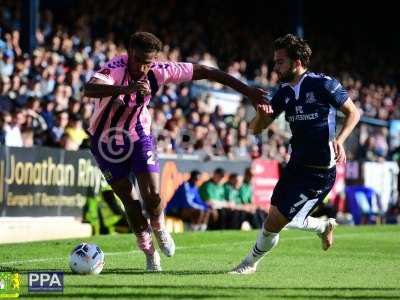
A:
310, 108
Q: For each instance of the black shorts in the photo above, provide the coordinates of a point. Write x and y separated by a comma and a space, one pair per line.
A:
300, 189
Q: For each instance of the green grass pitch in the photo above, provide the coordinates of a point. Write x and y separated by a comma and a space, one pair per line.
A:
364, 263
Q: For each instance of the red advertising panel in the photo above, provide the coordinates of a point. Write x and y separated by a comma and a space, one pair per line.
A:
266, 175
339, 185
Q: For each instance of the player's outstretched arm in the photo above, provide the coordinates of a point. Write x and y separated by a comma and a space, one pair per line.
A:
256, 95
352, 116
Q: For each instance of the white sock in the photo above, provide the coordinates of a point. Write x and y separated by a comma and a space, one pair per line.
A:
309, 224
265, 242
195, 227
203, 227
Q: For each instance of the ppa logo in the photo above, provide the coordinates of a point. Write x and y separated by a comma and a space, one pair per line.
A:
46, 281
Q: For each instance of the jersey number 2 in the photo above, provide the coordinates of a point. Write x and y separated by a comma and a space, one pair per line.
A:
151, 158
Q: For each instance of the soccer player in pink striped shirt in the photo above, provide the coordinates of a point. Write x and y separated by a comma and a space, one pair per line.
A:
121, 141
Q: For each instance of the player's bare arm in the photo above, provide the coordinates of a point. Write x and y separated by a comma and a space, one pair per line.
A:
97, 88
352, 116
261, 121
256, 95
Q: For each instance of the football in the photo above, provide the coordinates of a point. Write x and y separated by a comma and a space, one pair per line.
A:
86, 259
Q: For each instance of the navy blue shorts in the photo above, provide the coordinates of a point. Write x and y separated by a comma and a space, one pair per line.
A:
300, 189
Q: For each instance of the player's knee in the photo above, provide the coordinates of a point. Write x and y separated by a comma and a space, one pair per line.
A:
272, 226
153, 203
275, 220
151, 197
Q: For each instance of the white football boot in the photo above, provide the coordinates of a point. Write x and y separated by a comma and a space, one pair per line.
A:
245, 267
327, 235
153, 262
165, 241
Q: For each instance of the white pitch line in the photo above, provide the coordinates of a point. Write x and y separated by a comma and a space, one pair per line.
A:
346, 235
134, 252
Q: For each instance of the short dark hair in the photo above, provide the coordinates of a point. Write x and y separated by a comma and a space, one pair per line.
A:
75, 118
145, 41
60, 112
194, 175
296, 48
233, 176
219, 171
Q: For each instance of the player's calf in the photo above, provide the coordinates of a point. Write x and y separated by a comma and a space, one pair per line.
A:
145, 243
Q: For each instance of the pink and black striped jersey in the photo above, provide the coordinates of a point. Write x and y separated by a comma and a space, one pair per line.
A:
130, 112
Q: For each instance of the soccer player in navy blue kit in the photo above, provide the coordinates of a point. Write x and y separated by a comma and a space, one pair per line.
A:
310, 102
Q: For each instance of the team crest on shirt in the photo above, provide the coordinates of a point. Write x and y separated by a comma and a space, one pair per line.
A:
310, 98
116, 64
105, 71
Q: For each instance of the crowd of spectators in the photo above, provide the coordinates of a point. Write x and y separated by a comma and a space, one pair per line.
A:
41, 100
216, 204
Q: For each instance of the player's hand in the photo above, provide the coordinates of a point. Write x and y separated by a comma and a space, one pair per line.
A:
258, 124
340, 153
260, 102
264, 109
141, 86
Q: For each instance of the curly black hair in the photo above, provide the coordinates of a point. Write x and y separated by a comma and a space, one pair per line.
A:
145, 41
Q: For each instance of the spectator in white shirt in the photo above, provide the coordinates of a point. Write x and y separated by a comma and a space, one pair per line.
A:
13, 130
